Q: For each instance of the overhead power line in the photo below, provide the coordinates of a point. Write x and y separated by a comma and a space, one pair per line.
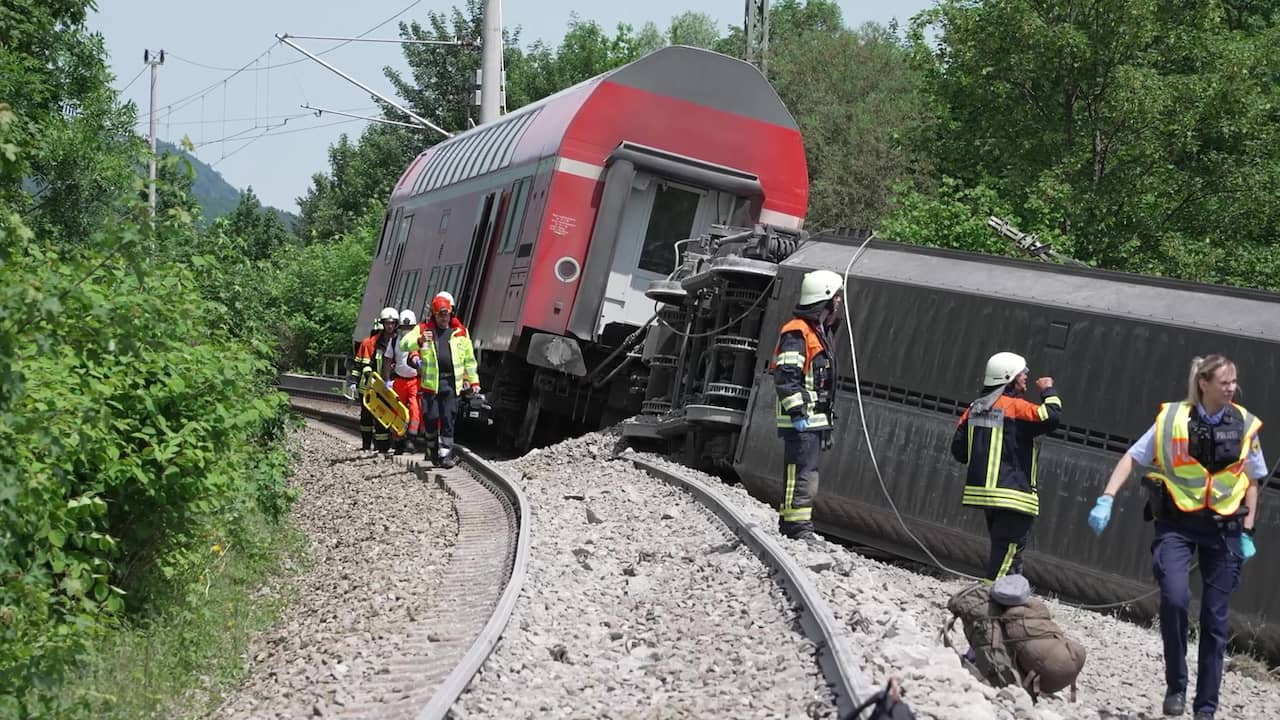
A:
267, 133
183, 102
134, 80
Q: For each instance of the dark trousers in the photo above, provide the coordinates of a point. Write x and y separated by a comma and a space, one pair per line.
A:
372, 432
801, 452
1008, 530
439, 410
1176, 543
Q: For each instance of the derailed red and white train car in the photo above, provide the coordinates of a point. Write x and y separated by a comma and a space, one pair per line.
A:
549, 224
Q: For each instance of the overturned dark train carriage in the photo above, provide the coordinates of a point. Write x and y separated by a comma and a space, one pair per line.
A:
1116, 344
925, 321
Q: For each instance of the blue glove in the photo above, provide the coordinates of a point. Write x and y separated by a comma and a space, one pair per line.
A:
1100, 515
800, 424
390, 383
1247, 549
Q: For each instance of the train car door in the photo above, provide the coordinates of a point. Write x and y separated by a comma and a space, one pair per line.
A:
658, 214
482, 239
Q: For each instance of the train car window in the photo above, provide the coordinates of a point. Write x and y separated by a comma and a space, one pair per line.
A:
402, 235
382, 237
408, 288
444, 221
515, 215
524, 250
433, 287
674, 209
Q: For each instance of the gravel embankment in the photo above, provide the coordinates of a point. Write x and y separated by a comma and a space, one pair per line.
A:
380, 539
893, 617
640, 603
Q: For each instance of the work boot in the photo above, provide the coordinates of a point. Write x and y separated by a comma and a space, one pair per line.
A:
1204, 715
1175, 703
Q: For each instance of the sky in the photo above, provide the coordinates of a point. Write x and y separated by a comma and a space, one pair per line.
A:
250, 125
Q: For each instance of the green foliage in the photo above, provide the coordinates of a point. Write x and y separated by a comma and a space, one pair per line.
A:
311, 295
1142, 129
132, 436
858, 102
134, 433
695, 29
179, 660
257, 229
361, 176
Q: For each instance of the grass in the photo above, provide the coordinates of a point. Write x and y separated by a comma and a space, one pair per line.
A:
180, 662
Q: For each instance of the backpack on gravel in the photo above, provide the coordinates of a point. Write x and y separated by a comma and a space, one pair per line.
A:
1018, 644
1049, 660
980, 619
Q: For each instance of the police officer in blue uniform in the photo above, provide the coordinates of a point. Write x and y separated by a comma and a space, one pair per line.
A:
1204, 499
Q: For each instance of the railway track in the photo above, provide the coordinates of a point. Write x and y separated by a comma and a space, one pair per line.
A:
436, 659
480, 490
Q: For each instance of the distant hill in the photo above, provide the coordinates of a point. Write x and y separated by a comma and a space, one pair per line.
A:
216, 196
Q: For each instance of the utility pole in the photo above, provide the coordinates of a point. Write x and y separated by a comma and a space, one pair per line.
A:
155, 61
491, 62
756, 30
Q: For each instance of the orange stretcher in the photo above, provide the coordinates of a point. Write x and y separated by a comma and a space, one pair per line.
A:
385, 405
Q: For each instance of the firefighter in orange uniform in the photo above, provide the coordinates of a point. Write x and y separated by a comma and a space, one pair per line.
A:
804, 374
1004, 486
373, 434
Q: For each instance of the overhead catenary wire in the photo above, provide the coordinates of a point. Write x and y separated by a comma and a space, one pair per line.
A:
267, 132
134, 80
188, 99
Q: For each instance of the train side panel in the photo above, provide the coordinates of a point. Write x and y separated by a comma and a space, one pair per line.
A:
921, 350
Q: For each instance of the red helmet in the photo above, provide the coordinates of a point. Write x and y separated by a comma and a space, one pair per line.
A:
440, 304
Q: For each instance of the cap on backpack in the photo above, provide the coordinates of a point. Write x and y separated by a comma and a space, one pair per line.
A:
1011, 590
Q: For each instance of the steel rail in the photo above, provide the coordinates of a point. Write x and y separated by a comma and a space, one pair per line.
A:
493, 480
835, 657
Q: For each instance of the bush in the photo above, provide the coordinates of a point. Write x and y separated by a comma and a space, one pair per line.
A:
133, 437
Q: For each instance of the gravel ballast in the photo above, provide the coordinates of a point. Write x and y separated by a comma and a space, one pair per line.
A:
639, 602
379, 539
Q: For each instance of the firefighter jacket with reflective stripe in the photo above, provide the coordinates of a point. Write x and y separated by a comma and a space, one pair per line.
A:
421, 343
368, 358
998, 443
804, 374
1202, 465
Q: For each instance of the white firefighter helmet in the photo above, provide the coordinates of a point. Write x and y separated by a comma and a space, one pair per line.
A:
408, 319
389, 313
819, 286
1003, 367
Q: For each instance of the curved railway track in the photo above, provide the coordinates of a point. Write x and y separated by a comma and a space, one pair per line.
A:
481, 488
480, 585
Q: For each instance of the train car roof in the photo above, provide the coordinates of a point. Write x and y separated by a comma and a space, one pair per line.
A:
1214, 308
537, 130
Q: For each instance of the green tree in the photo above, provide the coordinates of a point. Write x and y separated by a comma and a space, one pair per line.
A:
695, 29
78, 144
257, 229
1138, 127
858, 101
